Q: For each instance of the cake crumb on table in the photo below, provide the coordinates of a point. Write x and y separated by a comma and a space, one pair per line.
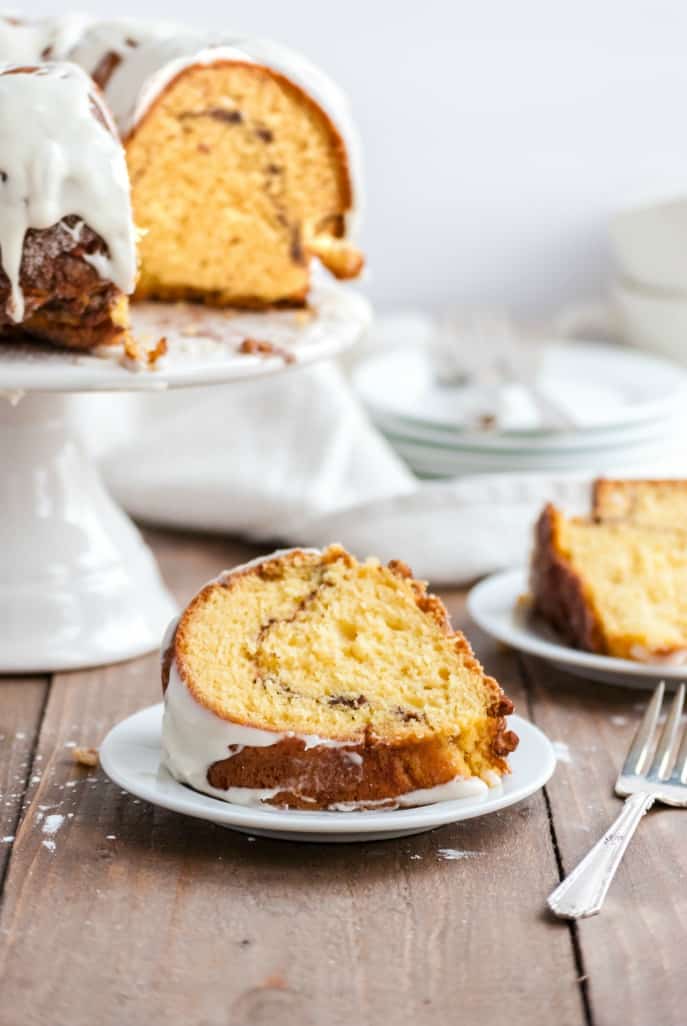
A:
85, 756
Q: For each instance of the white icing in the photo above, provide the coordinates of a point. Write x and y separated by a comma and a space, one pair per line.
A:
459, 787
644, 655
67, 163
149, 68
121, 37
29, 42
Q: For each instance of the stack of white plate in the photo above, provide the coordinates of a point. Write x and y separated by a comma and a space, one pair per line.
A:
618, 409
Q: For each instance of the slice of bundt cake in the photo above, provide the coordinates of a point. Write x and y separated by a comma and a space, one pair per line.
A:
616, 588
658, 503
311, 680
67, 239
241, 163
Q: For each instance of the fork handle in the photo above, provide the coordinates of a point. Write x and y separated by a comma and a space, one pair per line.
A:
583, 891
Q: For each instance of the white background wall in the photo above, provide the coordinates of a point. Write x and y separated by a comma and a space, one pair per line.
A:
499, 135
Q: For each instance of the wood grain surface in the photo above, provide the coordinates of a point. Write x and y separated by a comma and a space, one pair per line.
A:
115, 912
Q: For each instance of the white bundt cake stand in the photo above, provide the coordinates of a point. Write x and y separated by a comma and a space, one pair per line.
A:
78, 586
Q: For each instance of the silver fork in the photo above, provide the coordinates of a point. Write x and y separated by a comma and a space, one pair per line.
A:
641, 783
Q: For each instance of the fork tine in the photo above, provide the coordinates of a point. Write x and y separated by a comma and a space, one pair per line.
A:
680, 769
665, 751
641, 746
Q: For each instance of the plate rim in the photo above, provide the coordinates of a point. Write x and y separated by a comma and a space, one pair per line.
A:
185, 801
650, 410
528, 641
345, 314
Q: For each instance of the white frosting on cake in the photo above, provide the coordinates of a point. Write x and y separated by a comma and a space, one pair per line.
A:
58, 158
100, 39
194, 737
29, 42
452, 790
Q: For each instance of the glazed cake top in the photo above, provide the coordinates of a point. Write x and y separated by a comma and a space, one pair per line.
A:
61, 157
45, 39
134, 60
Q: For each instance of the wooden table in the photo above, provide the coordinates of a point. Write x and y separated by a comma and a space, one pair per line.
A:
128, 914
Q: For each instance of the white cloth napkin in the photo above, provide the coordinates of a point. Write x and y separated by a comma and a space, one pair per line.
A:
294, 459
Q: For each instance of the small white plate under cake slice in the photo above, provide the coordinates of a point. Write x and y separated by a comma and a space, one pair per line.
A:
495, 604
130, 755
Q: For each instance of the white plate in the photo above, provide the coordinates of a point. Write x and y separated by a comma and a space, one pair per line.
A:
493, 605
203, 346
130, 755
452, 463
500, 444
603, 386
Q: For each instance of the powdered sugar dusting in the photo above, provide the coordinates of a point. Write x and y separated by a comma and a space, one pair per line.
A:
562, 752
454, 854
51, 825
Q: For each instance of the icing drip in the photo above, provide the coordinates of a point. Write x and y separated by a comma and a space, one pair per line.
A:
70, 163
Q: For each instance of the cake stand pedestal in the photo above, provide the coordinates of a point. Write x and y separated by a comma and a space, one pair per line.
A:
78, 586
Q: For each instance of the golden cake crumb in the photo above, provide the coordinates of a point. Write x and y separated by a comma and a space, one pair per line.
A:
86, 756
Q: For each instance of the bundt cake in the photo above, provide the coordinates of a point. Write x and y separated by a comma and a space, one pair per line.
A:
67, 240
310, 680
618, 588
660, 503
242, 156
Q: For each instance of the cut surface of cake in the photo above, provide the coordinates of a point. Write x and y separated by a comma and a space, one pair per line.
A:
311, 680
616, 588
652, 503
67, 239
239, 176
